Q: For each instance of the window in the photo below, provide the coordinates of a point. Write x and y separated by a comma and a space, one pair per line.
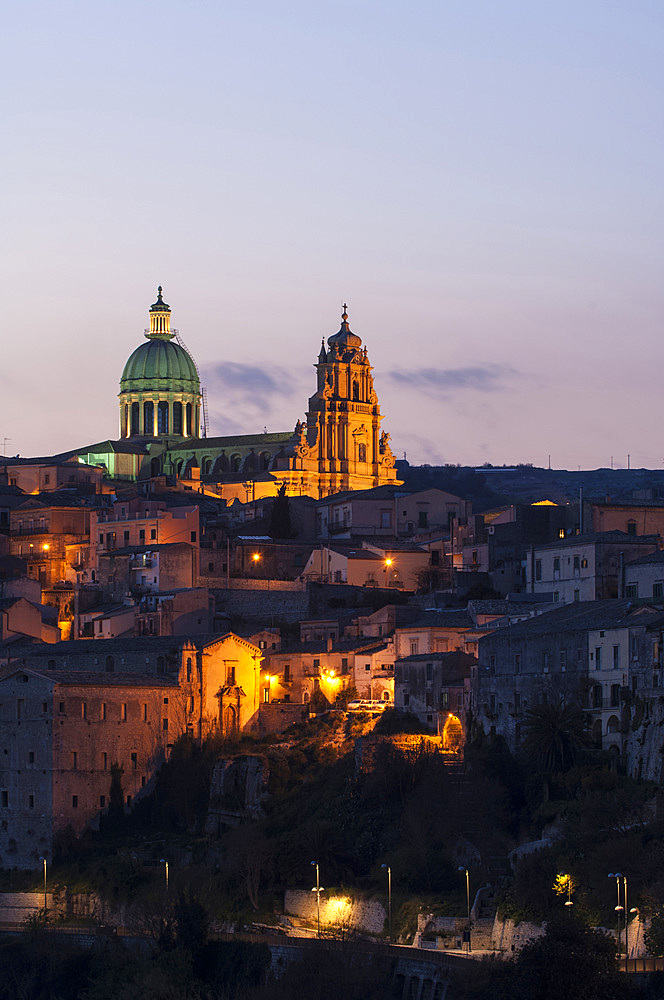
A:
413, 647
126, 537
577, 565
344, 663
110, 665
188, 668
616, 657
655, 652
193, 536
598, 657
74, 760
141, 535
31, 756
517, 701
123, 712
5, 799
230, 674
538, 569
631, 527
134, 761
615, 695
74, 801
597, 696
84, 709
104, 762
634, 647
102, 711
492, 665
632, 591
422, 519
287, 674
266, 695
31, 801
145, 712
577, 595
517, 663
406, 702
563, 660
429, 671
658, 589
102, 801
545, 661
316, 664
153, 534
556, 568
61, 708
164, 725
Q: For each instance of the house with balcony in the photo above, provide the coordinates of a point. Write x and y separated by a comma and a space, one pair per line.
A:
41, 534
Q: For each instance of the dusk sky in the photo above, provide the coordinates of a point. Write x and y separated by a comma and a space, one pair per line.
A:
481, 182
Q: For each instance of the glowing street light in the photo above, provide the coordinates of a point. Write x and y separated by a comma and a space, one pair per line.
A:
618, 876
43, 861
462, 869
388, 563
318, 888
164, 862
389, 901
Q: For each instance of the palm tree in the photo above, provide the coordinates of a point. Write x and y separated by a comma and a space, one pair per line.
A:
554, 735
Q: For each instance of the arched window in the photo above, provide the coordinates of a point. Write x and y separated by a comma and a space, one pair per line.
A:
148, 417
110, 665
265, 461
177, 418
207, 466
125, 421
236, 461
188, 668
51, 664
188, 431
135, 418
356, 392
162, 417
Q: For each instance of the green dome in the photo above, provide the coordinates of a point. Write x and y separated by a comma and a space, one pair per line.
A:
160, 364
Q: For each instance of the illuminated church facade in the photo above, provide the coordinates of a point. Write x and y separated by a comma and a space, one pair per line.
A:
338, 446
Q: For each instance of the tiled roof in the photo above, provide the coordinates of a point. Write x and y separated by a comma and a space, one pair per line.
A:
575, 617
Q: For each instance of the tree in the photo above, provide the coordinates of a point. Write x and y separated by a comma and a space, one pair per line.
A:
554, 734
280, 519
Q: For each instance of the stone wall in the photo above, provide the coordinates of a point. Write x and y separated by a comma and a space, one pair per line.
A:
16, 907
277, 716
293, 605
337, 910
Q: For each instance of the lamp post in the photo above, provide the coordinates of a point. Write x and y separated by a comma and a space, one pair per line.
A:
388, 563
318, 888
618, 876
164, 862
462, 869
389, 901
43, 861
635, 910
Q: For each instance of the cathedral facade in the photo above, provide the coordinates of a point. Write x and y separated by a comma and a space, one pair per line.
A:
338, 446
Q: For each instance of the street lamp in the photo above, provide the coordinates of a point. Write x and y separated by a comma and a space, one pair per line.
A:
462, 869
43, 861
618, 876
164, 862
388, 563
318, 888
389, 900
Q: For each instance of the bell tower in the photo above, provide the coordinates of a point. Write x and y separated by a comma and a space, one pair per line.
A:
343, 436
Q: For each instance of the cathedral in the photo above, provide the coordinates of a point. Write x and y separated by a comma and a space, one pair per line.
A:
338, 446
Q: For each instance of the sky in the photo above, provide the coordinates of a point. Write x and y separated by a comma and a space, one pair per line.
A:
481, 182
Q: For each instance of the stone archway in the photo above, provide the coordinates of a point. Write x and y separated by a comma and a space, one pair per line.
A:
229, 721
453, 734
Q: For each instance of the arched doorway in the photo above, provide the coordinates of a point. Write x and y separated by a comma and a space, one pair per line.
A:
229, 721
453, 738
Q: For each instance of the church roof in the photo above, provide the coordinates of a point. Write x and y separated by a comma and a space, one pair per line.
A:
160, 364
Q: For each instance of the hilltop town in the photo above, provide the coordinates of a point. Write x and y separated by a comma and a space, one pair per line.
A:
266, 595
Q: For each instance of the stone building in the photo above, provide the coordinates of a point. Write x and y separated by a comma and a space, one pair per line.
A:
585, 567
436, 688
69, 711
598, 655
